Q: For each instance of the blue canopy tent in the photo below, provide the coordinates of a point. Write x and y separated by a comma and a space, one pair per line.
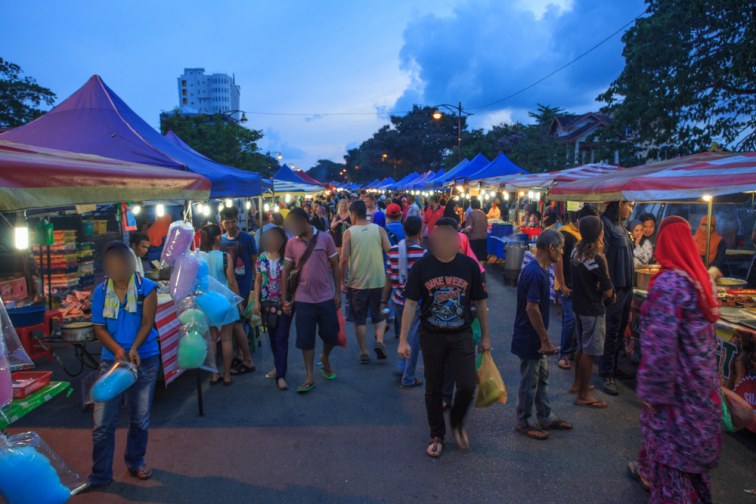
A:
431, 182
451, 173
501, 166
475, 165
387, 183
286, 181
95, 120
418, 183
402, 184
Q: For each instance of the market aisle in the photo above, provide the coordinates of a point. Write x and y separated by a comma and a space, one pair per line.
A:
361, 439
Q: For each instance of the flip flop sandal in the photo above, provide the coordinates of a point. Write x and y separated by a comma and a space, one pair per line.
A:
633, 469
435, 448
596, 404
282, 387
364, 359
558, 425
566, 366
590, 389
380, 351
416, 383
303, 389
243, 369
533, 433
326, 375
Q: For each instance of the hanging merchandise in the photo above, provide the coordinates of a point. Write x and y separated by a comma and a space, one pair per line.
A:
15, 354
114, 382
183, 276
31, 473
196, 348
215, 307
128, 220
177, 242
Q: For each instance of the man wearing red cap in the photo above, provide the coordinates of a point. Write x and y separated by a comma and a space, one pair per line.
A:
394, 228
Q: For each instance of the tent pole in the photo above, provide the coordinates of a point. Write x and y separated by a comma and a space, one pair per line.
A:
708, 228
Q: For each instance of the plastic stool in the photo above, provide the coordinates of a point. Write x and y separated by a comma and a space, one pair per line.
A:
34, 350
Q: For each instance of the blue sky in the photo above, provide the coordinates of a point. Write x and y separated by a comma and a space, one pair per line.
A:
316, 57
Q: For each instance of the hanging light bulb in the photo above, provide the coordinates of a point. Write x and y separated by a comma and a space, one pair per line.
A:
538, 195
506, 196
287, 198
248, 205
160, 210
229, 202
21, 236
136, 209
221, 207
266, 207
530, 194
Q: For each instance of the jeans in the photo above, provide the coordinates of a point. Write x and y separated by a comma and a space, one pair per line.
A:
617, 316
279, 344
568, 328
459, 351
139, 401
407, 366
534, 388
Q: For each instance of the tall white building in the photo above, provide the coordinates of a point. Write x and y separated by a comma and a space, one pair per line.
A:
207, 94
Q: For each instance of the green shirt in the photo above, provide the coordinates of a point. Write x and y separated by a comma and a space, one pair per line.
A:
366, 266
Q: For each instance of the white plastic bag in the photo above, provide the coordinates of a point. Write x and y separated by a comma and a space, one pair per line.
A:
31, 473
17, 357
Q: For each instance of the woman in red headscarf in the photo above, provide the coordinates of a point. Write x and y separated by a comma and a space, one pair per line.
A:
678, 381
717, 246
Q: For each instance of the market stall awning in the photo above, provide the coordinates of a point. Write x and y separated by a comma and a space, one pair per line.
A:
307, 179
687, 177
95, 120
474, 166
544, 181
456, 169
36, 177
501, 166
286, 180
253, 183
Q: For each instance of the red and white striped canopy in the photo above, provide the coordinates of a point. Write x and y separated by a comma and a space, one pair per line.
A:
543, 181
687, 177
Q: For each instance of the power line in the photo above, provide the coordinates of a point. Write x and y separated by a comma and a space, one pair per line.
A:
580, 56
508, 97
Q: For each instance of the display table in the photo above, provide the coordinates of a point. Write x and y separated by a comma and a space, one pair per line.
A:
495, 247
736, 357
168, 327
21, 407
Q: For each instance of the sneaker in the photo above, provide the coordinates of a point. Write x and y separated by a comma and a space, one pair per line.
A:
142, 472
610, 386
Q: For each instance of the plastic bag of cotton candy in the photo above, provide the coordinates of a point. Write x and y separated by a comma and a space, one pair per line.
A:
196, 347
115, 381
177, 242
31, 473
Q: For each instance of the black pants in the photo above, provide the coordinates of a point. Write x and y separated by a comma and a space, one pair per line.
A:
480, 248
458, 350
617, 316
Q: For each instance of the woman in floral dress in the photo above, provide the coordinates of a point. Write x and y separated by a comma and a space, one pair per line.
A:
267, 300
678, 382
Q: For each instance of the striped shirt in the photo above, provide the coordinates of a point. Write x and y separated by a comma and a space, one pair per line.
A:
414, 253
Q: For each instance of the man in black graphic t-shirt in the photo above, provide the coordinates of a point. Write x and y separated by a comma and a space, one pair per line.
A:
446, 282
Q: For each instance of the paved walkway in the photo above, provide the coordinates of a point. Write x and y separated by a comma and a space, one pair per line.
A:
360, 439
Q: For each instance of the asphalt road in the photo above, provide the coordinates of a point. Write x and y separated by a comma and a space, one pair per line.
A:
360, 439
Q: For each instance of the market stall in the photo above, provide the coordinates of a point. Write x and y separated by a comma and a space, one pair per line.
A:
706, 177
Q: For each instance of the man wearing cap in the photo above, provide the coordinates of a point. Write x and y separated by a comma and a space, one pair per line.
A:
394, 228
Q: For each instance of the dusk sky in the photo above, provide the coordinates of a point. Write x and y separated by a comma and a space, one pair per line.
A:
313, 58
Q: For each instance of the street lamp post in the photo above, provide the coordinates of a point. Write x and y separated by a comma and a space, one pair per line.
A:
437, 114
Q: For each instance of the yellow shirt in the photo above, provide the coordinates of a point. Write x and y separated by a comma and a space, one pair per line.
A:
284, 212
494, 213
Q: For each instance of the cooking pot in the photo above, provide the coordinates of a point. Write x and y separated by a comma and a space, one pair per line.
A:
77, 332
643, 275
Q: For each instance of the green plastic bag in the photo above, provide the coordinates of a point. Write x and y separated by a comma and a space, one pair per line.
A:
491, 388
475, 327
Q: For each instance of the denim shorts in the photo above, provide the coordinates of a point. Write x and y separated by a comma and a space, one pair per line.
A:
591, 333
316, 318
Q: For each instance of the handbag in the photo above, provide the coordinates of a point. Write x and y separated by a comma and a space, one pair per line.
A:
293, 281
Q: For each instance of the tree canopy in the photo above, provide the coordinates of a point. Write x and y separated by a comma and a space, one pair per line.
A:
222, 140
20, 96
689, 77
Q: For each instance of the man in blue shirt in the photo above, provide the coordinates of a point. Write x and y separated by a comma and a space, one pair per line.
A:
243, 250
123, 314
394, 227
530, 341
